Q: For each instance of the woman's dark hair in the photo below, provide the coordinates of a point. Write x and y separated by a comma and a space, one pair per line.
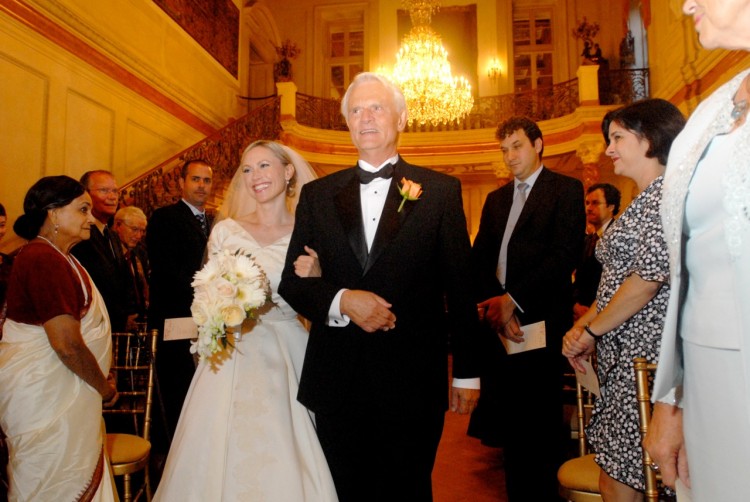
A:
48, 193
656, 120
2, 210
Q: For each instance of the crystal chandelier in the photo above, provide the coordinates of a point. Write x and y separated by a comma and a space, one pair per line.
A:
423, 72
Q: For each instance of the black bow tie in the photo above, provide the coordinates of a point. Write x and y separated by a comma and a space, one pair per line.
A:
366, 176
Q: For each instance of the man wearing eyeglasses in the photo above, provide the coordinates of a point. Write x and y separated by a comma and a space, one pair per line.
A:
602, 204
130, 229
101, 254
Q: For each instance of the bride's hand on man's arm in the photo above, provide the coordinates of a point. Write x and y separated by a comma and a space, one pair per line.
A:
308, 265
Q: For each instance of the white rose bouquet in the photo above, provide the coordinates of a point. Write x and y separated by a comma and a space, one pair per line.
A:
229, 288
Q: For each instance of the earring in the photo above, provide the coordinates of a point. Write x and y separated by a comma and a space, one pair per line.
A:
56, 227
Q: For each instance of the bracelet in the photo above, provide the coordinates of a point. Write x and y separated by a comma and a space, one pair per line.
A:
588, 330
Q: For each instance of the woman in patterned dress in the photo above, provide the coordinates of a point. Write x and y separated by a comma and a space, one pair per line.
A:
627, 316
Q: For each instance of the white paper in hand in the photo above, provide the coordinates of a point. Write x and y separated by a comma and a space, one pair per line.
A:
180, 328
534, 337
588, 380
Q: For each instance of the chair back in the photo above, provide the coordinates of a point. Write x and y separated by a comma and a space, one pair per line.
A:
643, 374
584, 408
578, 478
133, 363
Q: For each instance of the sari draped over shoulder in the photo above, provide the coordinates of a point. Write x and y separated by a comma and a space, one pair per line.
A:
52, 418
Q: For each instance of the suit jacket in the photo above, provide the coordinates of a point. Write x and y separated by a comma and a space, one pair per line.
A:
108, 272
137, 277
543, 250
588, 271
176, 245
418, 262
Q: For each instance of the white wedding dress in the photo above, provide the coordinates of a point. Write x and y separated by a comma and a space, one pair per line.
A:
242, 435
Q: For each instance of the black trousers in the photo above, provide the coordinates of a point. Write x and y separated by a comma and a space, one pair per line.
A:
375, 456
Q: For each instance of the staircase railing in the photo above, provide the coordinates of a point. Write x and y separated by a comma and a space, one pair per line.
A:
160, 186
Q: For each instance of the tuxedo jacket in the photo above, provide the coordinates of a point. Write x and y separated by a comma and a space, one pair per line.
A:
543, 250
418, 262
176, 245
104, 262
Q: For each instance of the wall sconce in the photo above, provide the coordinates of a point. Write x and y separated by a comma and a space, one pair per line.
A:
494, 70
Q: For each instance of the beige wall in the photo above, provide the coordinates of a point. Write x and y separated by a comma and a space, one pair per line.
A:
61, 114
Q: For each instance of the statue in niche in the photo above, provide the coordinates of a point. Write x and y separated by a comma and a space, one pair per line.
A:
627, 50
282, 70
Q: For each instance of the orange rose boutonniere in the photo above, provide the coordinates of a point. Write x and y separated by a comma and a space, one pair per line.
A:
409, 191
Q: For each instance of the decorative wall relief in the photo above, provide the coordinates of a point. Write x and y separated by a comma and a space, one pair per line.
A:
214, 24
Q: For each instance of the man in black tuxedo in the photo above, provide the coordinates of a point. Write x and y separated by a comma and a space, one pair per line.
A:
394, 286
529, 241
101, 254
176, 241
602, 204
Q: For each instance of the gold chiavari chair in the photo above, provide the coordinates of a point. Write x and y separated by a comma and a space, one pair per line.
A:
579, 477
643, 372
134, 358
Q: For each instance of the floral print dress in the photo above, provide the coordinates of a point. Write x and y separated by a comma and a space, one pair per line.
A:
633, 244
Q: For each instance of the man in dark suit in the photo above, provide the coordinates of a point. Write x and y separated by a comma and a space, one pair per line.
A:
529, 240
176, 241
602, 204
394, 285
101, 254
130, 229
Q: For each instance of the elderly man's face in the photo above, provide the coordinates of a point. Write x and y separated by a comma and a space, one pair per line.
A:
104, 195
130, 231
374, 121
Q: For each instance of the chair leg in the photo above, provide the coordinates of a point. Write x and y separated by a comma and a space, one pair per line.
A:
147, 481
127, 495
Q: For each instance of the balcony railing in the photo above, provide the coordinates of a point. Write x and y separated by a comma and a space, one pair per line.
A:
320, 113
540, 104
615, 87
543, 103
620, 87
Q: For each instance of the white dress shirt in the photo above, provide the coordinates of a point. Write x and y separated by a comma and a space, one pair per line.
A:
372, 196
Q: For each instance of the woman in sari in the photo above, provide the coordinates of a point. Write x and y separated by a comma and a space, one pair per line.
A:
55, 355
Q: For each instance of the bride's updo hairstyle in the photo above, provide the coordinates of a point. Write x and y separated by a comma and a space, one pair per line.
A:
280, 154
48, 193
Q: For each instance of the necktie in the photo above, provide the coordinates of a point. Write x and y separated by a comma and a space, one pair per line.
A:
203, 222
515, 211
366, 176
590, 246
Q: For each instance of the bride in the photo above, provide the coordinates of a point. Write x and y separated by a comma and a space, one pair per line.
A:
242, 435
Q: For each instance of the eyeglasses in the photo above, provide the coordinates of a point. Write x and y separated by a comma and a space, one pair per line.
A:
106, 191
137, 230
